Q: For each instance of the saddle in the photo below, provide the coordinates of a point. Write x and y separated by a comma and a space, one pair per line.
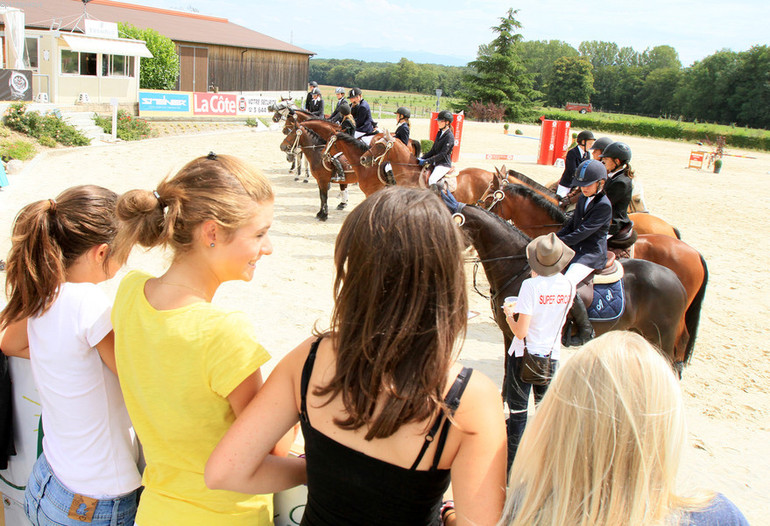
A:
611, 273
622, 243
449, 179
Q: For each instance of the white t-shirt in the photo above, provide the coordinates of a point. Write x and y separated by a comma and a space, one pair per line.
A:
547, 300
89, 441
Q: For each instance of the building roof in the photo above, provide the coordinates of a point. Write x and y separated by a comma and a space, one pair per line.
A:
176, 25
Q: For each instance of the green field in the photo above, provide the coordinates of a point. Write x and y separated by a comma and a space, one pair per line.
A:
388, 102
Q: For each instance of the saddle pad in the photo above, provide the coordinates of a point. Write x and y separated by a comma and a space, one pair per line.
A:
609, 302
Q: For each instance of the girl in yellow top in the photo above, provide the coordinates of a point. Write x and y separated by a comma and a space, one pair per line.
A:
186, 367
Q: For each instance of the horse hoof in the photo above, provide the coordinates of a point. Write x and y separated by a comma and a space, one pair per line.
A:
296, 178
341, 206
304, 181
322, 217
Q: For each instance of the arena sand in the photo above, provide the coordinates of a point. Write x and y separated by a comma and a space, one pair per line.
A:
727, 384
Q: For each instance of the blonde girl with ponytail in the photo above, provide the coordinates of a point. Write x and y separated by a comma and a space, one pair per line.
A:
188, 368
59, 318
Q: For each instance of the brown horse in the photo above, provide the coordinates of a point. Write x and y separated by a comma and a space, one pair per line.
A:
312, 146
536, 215
289, 111
644, 223
471, 182
370, 178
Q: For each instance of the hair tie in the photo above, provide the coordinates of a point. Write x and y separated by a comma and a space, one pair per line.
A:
161, 202
211, 156
52, 206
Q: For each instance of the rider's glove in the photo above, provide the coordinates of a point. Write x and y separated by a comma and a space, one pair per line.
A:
421, 161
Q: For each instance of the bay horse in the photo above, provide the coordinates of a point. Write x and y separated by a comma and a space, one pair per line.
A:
655, 299
644, 222
537, 215
313, 145
370, 178
471, 182
286, 110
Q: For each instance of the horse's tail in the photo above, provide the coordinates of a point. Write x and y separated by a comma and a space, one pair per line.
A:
679, 236
417, 145
692, 316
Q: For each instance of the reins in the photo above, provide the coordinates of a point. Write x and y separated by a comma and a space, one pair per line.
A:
496, 201
492, 297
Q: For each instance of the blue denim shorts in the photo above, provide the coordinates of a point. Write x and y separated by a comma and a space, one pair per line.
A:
47, 502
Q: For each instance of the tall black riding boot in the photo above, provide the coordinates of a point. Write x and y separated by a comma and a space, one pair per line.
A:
339, 173
585, 330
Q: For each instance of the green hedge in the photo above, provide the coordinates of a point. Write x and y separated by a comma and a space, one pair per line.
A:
662, 128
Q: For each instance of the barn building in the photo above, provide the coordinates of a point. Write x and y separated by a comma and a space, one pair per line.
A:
215, 54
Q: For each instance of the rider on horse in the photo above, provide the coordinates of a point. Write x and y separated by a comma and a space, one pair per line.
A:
309, 98
586, 233
575, 156
316, 107
361, 113
335, 116
440, 154
616, 158
599, 145
402, 124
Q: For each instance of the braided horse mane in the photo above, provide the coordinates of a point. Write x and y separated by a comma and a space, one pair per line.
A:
553, 211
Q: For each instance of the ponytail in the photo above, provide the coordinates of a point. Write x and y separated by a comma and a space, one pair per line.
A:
221, 188
48, 237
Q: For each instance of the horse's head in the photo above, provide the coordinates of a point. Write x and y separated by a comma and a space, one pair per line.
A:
290, 144
378, 150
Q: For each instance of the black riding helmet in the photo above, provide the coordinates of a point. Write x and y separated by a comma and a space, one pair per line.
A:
445, 115
588, 172
355, 92
585, 136
344, 108
404, 112
617, 150
601, 143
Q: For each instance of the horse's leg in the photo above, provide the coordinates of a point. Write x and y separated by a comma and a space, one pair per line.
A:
297, 165
323, 190
307, 171
343, 197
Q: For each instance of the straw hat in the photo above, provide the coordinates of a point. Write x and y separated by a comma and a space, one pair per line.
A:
548, 255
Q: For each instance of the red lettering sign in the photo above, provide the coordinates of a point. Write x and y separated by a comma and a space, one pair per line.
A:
214, 104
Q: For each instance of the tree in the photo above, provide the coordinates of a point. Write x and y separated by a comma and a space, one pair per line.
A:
657, 93
571, 80
162, 70
599, 53
660, 57
498, 74
539, 57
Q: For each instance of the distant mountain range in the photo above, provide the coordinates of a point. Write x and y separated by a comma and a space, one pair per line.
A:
383, 55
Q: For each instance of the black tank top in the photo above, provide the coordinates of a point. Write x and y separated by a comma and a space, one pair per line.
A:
347, 487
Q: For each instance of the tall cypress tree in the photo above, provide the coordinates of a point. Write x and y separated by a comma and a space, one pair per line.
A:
499, 75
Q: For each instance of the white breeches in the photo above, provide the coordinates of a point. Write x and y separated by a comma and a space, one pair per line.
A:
366, 138
576, 273
438, 173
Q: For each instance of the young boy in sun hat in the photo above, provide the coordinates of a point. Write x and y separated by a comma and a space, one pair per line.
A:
542, 306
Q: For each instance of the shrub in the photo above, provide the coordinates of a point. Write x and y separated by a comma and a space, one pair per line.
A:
662, 128
34, 124
21, 150
252, 122
129, 128
486, 111
518, 132
47, 141
426, 145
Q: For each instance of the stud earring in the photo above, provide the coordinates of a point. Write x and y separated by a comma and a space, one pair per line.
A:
212, 245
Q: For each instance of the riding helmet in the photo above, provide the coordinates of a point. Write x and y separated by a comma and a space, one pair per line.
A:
588, 172
601, 143
355, 92
340, 90
585, 136
445, 115
344, 108
404, 112
316, 91
313, 83
617, 150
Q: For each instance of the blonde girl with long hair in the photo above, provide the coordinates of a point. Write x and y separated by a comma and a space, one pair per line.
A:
605, 446
188, 368
59, 318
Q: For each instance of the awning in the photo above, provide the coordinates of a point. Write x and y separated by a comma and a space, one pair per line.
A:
107, 46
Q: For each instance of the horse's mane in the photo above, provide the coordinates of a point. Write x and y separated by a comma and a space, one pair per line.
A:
505, 224
528, 193
531, 182
347, 139
313, 135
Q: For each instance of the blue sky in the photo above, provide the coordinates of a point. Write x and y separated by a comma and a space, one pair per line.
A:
457, 28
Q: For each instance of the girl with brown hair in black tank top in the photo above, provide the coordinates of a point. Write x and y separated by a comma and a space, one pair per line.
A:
387, 414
